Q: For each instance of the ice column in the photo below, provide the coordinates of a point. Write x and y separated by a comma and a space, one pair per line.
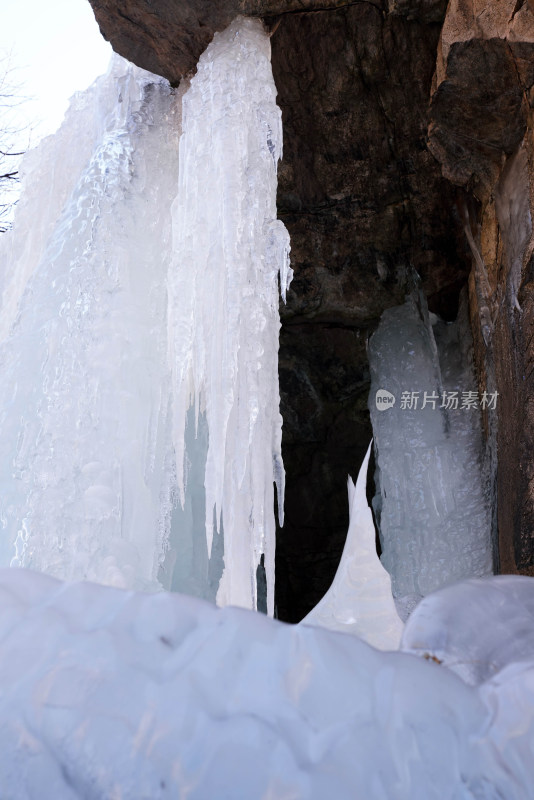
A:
85, 390
229, 252
432, 509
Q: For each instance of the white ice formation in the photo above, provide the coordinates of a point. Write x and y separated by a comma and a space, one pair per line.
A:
145, 248
432, 510
85, 386
359, 600
229, 250
112, 694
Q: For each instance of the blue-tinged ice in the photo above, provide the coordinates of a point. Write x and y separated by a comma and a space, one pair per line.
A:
109, 694
476, 627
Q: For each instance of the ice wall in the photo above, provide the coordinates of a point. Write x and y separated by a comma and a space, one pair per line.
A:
229, 253
49, 174
432, 510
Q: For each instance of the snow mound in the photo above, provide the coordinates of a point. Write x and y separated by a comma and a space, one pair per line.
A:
476, 627
113, 694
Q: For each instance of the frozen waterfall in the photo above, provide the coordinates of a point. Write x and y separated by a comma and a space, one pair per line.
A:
140, 443
85, 393
148, 285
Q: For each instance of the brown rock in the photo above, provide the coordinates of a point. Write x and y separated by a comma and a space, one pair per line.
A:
484, 72
419, 10
482, 132
509, 362
167, 37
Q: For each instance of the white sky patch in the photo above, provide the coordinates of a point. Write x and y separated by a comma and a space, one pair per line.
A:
56, 49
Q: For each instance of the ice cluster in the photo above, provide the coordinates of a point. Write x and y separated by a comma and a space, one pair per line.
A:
431, 506
142, 277
112, 694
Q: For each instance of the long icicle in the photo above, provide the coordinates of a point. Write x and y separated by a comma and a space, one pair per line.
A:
229, 249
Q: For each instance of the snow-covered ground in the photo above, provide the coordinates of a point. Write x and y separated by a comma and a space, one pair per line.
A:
107, 694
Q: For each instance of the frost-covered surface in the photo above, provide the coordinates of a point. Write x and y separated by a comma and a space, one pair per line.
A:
84, 397
50, 173
433, 514
360, 600
111, 694
229, 249
476, 627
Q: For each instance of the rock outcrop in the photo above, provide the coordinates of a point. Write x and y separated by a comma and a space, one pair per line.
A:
407, 144
168, 37
481, 130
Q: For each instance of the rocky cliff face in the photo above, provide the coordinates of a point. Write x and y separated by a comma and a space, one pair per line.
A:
407, 144
481, 130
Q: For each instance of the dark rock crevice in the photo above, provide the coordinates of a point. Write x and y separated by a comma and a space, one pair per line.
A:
364, 202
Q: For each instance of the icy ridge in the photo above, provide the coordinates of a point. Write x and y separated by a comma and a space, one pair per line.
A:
230, 252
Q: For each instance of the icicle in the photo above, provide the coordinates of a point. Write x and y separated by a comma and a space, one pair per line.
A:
229, 249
